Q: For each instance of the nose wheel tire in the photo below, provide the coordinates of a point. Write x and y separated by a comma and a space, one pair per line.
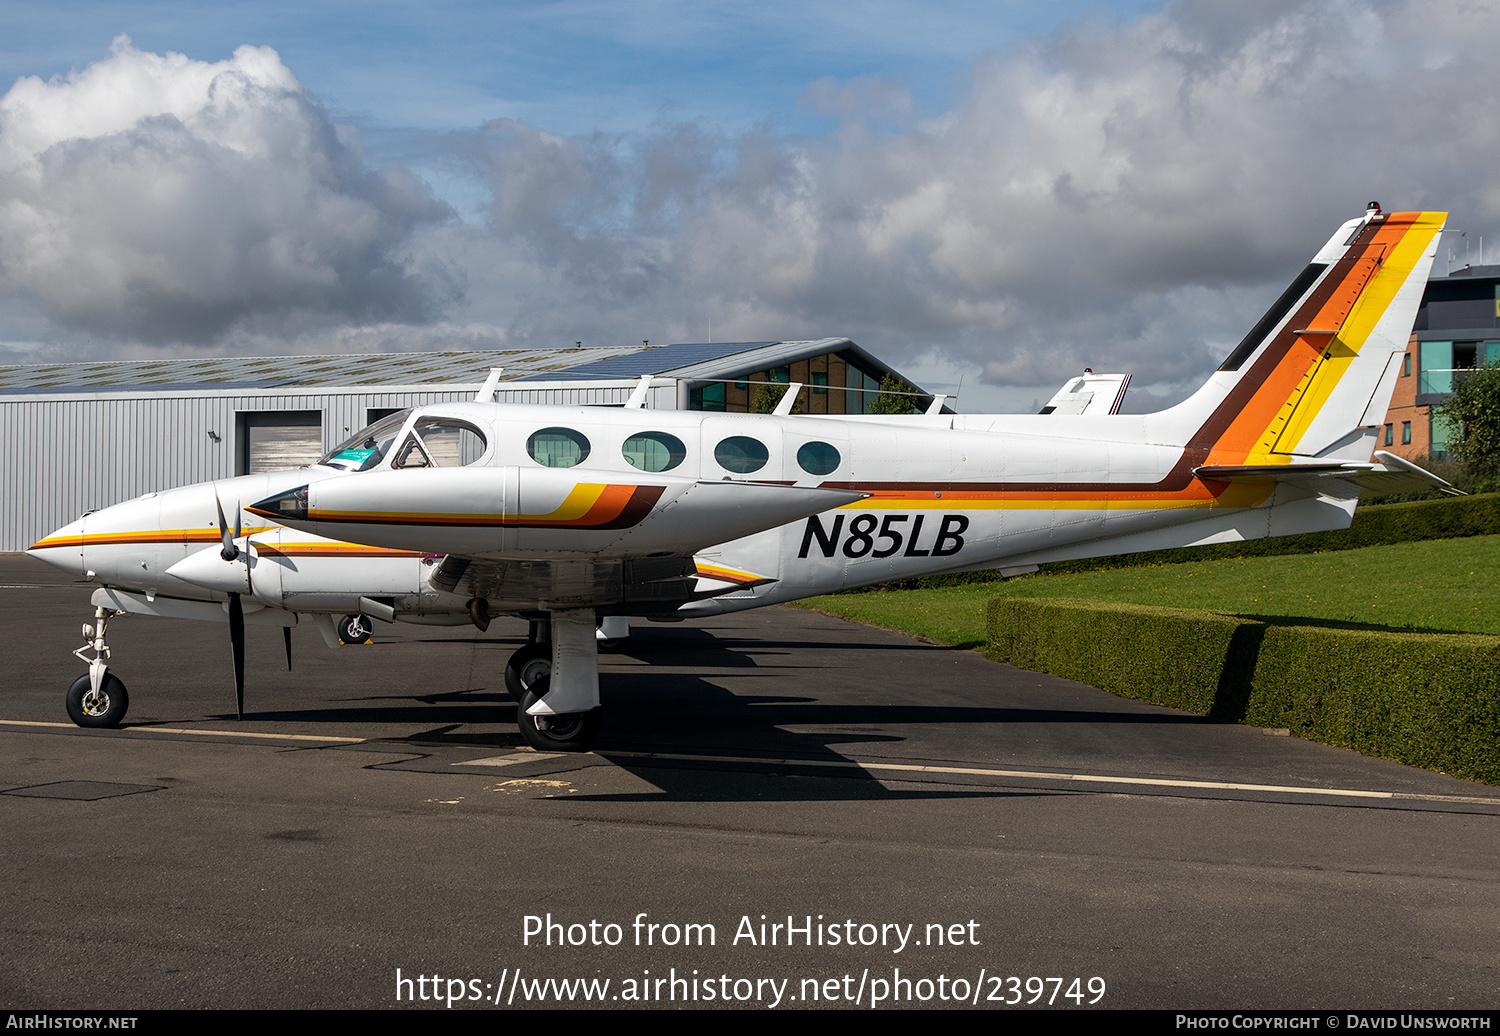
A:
527, 665
569, 732
354, 629
105, 709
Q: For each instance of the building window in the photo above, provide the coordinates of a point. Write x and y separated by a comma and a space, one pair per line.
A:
1390, 432
707, 397
820, 383
1406, 366
1436, 366
1405, 433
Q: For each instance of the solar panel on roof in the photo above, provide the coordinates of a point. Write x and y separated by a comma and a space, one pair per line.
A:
653, 360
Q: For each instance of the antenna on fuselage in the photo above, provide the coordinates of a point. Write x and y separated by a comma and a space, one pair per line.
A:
788, 400
637, 398
486, 393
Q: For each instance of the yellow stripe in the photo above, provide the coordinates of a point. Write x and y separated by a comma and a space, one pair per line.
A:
210, 535
724, 574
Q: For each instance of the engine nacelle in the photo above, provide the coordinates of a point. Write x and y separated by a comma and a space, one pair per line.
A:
506, 511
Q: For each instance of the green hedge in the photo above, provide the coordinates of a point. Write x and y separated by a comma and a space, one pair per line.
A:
1425, 699
1373, 525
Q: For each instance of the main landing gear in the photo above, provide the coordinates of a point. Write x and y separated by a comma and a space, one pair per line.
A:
557, 683
98, 698
355, 629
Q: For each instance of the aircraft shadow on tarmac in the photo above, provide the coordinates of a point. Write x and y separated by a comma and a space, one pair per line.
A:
677, 705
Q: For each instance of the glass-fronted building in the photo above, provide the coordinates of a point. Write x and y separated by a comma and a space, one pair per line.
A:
1457, 329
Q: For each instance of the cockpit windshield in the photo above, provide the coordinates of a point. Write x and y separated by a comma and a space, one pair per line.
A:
366, 448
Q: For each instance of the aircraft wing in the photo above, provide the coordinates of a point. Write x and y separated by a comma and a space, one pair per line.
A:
1391, 474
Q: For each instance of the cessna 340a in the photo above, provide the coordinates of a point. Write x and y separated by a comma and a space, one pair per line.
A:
456, 512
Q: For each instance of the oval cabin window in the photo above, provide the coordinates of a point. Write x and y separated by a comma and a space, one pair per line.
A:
741, 454
817, 458
653, 451
558, 447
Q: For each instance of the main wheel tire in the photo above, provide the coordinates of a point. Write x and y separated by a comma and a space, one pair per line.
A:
526, 665
569, 732
355, 629
105, 709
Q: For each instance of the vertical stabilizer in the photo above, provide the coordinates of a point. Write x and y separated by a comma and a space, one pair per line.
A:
1319, 364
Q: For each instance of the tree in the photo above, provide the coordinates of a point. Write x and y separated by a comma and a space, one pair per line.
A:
1473, 414
889, 402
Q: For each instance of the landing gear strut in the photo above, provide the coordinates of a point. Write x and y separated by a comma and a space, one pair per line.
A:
560, 710
98, 698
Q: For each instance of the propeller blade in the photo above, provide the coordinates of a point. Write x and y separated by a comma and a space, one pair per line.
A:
227, 550
237, 645
286, 634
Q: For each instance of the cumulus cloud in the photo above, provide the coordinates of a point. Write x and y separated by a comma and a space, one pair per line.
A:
1125, 195
161, 199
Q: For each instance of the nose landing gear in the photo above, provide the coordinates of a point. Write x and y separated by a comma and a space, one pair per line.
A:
97, 699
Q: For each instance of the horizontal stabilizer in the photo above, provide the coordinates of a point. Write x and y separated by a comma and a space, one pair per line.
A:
1089, 393
1390, 474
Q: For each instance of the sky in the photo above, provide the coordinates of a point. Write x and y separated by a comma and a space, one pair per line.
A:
989, 196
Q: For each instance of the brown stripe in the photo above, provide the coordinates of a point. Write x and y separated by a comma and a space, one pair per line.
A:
634, 512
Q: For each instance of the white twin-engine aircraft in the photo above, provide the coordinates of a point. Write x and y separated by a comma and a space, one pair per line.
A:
577, 516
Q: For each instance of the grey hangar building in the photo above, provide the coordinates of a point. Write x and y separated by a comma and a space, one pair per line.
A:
82, 436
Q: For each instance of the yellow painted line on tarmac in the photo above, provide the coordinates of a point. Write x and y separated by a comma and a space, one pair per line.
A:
1042, 775
186, 730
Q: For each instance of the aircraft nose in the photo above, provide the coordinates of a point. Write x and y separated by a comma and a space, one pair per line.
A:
62, 548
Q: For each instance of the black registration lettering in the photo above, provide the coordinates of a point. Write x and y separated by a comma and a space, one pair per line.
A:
911, 544
893, 535
828, 540
861, 539
950, 539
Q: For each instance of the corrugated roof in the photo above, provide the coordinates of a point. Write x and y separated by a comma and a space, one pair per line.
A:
652, 360
687, 360
461, 367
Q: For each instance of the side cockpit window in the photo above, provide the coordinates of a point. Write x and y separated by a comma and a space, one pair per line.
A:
440, 442
367, 447
450, 443
433, 442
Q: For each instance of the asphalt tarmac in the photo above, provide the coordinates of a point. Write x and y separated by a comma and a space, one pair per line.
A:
983, 836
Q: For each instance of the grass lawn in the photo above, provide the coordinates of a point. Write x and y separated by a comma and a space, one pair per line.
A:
1430, 585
